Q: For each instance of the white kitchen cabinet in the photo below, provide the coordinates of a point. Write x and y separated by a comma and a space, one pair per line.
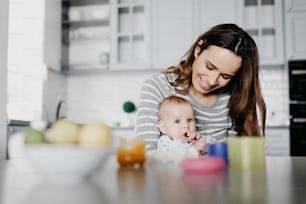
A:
172, 31
4, 10
295, 5
130, 34
85, 34
277, 141
210, 13
76, 34
263, 20
95, 34
295, 22
52, 35
175, 28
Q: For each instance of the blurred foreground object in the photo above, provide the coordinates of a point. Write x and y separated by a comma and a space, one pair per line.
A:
131, 152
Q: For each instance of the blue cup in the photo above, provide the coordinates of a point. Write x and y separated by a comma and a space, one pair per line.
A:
218, 150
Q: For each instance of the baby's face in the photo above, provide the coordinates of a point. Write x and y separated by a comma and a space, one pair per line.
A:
177, 120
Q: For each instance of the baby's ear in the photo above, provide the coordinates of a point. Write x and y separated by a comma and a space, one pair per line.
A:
161, 126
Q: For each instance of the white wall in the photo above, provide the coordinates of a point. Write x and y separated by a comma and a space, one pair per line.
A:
100, 96
25, 67
3, 68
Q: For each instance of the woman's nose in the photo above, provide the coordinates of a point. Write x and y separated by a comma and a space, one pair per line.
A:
213, 78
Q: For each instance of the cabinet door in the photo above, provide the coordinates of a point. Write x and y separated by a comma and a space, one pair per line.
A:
295, 35
4, 8
130, 29
295, 5
263, 21
52, 35
210, 13
172, 31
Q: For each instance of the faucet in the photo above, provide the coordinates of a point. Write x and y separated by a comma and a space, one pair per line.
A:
58, 109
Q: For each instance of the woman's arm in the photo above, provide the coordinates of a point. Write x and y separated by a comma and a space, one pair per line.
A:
152, 93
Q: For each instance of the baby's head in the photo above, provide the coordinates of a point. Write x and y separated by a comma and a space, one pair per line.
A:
176, 117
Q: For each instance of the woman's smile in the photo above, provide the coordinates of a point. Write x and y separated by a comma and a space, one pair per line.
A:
204, 85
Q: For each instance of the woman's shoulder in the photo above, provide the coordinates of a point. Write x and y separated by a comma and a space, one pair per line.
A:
158, 79
157, 76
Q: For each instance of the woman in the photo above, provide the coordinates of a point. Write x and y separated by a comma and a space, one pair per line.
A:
219, 76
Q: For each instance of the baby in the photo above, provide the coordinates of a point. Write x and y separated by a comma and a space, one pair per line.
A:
177, 125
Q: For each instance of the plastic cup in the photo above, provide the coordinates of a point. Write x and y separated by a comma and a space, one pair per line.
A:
246, 153
218, 150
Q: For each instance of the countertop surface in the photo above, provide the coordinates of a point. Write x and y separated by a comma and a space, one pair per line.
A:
283, 181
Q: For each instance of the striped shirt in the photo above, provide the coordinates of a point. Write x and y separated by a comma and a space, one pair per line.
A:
212, 122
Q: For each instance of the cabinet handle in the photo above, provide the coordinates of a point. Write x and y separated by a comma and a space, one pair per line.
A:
298, 72
299, 120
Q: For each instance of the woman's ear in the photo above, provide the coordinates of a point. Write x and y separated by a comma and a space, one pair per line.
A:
197, 50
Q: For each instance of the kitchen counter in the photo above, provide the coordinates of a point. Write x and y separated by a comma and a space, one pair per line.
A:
284, 181
18, 122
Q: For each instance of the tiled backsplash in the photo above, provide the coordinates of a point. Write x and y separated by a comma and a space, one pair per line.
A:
100, 96
275, 88
55, 90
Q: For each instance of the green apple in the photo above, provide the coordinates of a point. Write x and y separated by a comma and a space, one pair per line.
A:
33, 136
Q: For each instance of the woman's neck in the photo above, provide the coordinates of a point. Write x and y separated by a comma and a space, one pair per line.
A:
207, 100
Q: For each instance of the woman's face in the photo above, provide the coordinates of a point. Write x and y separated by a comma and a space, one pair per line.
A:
214, 68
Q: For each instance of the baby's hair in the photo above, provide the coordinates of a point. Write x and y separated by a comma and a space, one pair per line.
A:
172, 100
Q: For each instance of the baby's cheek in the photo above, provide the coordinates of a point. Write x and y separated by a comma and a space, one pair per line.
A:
193, 127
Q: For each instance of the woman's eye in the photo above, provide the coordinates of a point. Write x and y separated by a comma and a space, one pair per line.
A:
209, 68
225, 76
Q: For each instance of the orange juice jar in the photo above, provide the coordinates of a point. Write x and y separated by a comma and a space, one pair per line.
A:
131, 151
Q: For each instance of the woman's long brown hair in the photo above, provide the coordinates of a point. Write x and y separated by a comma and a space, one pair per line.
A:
246, 99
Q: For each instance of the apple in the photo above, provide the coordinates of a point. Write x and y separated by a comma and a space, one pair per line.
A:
33, 136
64, 131
94, 134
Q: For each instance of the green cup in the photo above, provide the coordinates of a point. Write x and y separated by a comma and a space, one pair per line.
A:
246, 153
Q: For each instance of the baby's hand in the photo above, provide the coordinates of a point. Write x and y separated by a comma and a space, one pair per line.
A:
197, 140
200, 145
191, 136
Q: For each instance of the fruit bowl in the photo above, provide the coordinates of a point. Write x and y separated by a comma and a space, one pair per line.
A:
66, 149
65, 160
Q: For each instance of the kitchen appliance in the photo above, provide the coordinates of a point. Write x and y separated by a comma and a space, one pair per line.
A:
297, 95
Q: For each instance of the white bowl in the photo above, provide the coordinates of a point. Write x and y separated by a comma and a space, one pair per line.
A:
65, 160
